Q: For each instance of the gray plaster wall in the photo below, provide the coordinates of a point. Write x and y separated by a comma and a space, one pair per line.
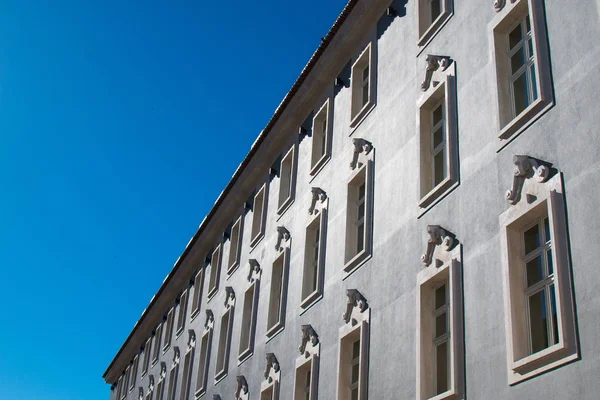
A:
565, 136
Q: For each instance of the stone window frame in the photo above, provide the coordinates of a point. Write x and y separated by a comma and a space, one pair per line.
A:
249, 315
147, 353
317, 220
367, 57
181, 312
216, 259
287, 172
443, 266
534, 194
426, 29
271, 385
508, 13
157, 343
439, 87
235, 245
225, 333
357, 322
310, 351
198, 285
134, 371
150, 389
188, 366
170, 321
259, 220
204, 355
276, 323
174, 374
160, 385
363, 170
324, 113
125, 382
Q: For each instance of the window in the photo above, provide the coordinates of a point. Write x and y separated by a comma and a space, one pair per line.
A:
235, 245
169, 330
307, 365
359, 207
540, 326
259, 211
432, 16
203, 360
150, 391
173, 375
215, 271
134, 371
287, 181
269, 389
362, 84
437, 127
198, 288
278, 291
183, 300
354, 351
188, 367
125, 382
314, 249
321, 133
160, 387
157, 339
225, 336
248, 327
523, 74
119, 386
147, 350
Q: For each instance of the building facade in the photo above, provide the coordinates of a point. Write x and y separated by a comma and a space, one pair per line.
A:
416, 221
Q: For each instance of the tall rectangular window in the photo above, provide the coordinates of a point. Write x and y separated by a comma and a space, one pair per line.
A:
287, 176
432, 15
187, 374
358, 218
203, 364
147, 352
321, 129
440, 339
235, 246
304, 382
248, 322
134, 372
277, 295
314, 250
198, 288
157, 343
172, 390
169, 329
361, 82
183, 301
258, 215
438, 145
125, 383
224, 345
160, 390
522, 66
215, 271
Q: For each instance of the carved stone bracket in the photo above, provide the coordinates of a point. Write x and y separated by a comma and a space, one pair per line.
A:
283, 235
241, 391
163, 370
525, 168
255, 271
150, 383
437, 236
141, 393
216, 397
229, 297
361, 146
309, 336
357, 304
176, 356
272, 365
210, 320
433, 64
317, 194
192, 339
499, 4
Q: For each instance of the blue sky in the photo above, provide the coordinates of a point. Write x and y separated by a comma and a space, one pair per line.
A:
111, 115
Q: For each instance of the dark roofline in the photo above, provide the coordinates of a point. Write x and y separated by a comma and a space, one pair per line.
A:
278, 112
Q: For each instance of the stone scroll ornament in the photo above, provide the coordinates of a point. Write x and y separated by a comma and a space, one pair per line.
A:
241, 391
433, 64
163, 370
308, 335
499, 4
141, 394
192, 340
210, 320
216, 397
283, 235
272, 364
255, 270
229, 297
355, 301
150, 384
317, 195
525, 168
361, 146
437, 236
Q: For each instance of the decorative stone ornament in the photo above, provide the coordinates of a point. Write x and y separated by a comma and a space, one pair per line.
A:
192, 340
163, 370
362, 149
283, 238
356, 305
241, 392
210, 320
317, 195
216, 397
229, 297
176, 356
150, 383
525, 168
310, 340
255, 270
272, 366
433, 64
499, 4
437, 236
140, 393
269, 388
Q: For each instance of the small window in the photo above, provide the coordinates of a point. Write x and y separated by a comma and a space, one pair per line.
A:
314, 250
215, 271
188, 367
307, 366
157, 342
321, 133
134, 372
173, 375
183, 300
541, 330
235, 246
259, 211
362, 85
432, 16
249, 312
125, 382
169, 330
523, 72
198, 289
278, 290
204, 358
225, 337
287, 181
147, 351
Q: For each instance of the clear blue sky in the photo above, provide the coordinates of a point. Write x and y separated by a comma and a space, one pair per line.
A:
111, 115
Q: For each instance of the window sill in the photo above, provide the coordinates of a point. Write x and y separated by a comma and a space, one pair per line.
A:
522, 121
319, 165
166, 348
310, 301
361, 116
274, 331
232, 269
199, 393
356, 262
153, 362
220, 376
432, 31
194, 314
449, 394
436, 194
284, 207
254, 242
211, 294
178, 332
245, 355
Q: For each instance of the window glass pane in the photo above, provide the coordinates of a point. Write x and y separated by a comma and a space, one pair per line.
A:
550, 265
530, 44
554, 315
360, 240
365, 75
440, 325
436, 9
547, 229
438, 137
356, 349
527, 24
354, 395
533, 83
361, 192
438, 165
535, 271
517, 60
532, 239
520, 94
355, 370
515, 36
437, 115
441, 362
538, 324
440, 297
